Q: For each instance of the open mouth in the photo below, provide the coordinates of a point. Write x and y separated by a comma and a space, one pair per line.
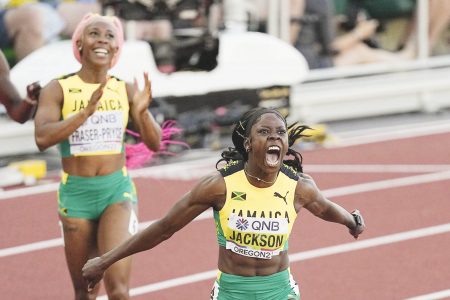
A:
273, 156
101, 52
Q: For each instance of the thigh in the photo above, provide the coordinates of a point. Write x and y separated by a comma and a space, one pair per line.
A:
117, 223
79, 246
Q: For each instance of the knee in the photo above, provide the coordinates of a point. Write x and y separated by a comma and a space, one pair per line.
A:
118, 293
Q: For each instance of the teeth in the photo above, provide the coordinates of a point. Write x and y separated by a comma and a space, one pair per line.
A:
101, 51
276, 148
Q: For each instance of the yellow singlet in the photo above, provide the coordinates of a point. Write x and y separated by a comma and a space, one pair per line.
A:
103, 132
256, 222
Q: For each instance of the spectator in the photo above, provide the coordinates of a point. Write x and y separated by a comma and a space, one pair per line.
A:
260, 10
438, 21
323, 48
27, 26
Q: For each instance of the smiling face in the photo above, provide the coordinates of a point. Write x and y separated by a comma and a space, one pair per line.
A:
98, 43
268, 142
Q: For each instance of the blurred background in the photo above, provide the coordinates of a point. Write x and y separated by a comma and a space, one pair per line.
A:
325, 63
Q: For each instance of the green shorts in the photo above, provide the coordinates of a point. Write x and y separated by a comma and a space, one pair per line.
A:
88, 197
278, 286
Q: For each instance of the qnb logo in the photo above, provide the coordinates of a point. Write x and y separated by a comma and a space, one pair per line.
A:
241, 224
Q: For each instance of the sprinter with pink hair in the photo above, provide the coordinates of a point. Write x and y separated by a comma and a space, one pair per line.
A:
86, 114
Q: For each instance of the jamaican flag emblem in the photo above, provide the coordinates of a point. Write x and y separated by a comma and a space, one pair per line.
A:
239, 196
74, 90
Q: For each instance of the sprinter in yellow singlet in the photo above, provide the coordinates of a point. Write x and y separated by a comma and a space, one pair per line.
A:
86, 114
255, 197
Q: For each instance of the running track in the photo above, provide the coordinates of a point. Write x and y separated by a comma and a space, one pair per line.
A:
400, 183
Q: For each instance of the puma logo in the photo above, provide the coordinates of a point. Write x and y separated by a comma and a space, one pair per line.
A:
278, 195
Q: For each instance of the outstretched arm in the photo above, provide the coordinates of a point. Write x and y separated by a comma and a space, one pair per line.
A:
207, 193
310, 197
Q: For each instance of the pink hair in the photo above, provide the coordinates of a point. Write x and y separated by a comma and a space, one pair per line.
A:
88, 19
138, 154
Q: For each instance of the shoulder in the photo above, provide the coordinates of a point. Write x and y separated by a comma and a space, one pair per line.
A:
231, 167
210, 183
306, 189
306, 181
51, 90
290, 172
65, 77
210, 189
52, 85
116, 80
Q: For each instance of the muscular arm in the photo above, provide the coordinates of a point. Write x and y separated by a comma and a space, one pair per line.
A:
19, 110
310, 197
209, 192
49, 128
143, 120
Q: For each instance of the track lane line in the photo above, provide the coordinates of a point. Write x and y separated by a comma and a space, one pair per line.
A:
433, 296
336, 192
386, 184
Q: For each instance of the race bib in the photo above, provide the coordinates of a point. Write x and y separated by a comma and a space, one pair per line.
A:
256, 237
102, 132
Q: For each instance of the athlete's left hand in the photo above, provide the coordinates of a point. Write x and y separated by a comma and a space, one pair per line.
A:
142, 98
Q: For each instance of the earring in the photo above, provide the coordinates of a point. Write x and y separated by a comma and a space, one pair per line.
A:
80, 48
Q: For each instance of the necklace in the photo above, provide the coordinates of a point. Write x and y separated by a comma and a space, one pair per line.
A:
257, 178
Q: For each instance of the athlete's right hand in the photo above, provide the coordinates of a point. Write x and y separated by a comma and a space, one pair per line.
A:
93, 272
360, 225
95, 98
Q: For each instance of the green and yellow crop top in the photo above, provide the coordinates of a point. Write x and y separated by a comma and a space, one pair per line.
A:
103, 132
256, 222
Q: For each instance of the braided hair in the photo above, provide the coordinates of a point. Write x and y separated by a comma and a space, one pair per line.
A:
242, 131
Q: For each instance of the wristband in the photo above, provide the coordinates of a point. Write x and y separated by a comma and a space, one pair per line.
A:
358, 219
